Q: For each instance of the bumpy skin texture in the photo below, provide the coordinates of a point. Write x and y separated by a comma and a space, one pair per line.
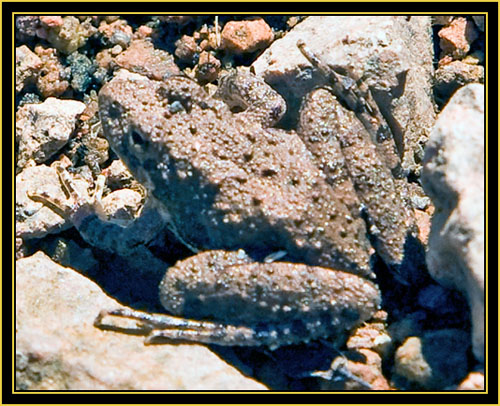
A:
225, 180
344, 149
280, 303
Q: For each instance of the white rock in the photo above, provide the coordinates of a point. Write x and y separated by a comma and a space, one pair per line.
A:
43, 129
453, 177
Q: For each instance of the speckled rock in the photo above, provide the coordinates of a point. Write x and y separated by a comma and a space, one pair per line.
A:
393, 55
53, 77
451, 76
373, 336
71, 35
456, 38
117, 32
453, 177
122, 205
246, 36
141, 57
58, 348
26, 27
43, 129
435, 361
27, 67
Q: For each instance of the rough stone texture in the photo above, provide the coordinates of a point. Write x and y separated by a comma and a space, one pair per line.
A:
70, 35
434, 361
52, 78
246, 36
373, 336
456, 38
141, 57
394, 56
58, 348
34, 219
43, 129
226, 181
473, 381
453, 177
116, 33
451, 76
27, 67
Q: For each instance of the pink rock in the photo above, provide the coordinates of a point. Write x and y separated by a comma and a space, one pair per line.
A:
456, 39
246, 36
51, 21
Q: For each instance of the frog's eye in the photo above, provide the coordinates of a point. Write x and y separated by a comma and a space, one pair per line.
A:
137, 140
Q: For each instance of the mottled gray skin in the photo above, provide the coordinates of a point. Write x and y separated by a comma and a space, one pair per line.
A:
226, 181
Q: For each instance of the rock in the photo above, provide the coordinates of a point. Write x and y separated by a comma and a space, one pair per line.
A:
449, 77
456, 38
58, 348
33, 219
43, 129
26, 27
479, 21
82, 69
52, 79
27, 67
51, 21
423, 221
434, 361
141, 57
117, 32
371, 336
70, 35
473, 381
394, 56
453, 177
186, 49
122, 205
362, 370
208, 68
246, 36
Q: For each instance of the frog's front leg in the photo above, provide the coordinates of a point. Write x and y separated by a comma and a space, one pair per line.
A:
87, 215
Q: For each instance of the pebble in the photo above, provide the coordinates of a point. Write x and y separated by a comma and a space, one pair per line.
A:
436, 360
122, 205
70, 35
141, 57
208, 68
451, 76
373, 336
117, 32
473, 381
186, 49
246, 36
457, 37
52, 79
453, 177
28, 65
43, 129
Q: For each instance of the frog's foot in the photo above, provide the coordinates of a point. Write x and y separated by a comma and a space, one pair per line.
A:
161, 327
77, 207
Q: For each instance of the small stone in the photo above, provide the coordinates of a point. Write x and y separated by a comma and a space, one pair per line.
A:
51, 21
117, 32
208, 68
122, 206
456, 38
361, 370
143, 32
43, 129
246, 36
118, 176
434, 361
186, 49
473, 381
141, 57
423, 221
372, 336
52, 80
26, 27
82, 69
71, 35
28, 65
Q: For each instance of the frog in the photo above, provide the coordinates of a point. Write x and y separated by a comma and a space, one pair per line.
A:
236, 190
